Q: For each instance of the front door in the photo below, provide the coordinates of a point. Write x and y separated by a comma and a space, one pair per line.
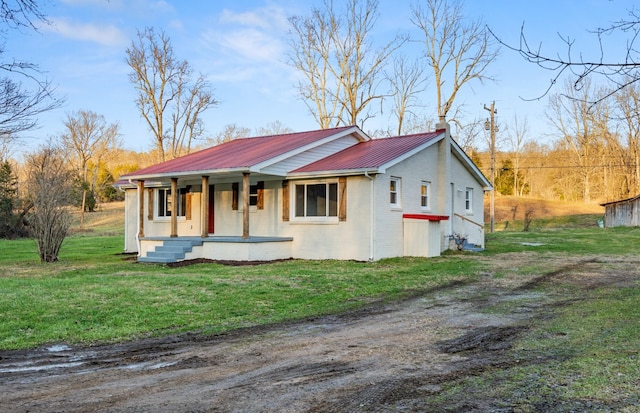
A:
211, 211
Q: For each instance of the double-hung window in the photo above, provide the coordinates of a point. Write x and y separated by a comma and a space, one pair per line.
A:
165, 206
253, 195
316, 200
468, 200
425, 195
394, 192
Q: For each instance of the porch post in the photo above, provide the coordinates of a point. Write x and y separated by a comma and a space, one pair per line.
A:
204, 207
174, 207
246, 183
140, 209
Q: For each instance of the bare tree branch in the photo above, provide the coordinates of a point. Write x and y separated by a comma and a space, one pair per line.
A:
20, 105
621, 73
342, 70
166, 92
458, 51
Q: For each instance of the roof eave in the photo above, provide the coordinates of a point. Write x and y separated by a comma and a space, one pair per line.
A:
473, 168
169, 175
333, 173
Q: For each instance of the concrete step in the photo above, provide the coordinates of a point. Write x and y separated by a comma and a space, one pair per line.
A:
156, 260
170, 251
175, 256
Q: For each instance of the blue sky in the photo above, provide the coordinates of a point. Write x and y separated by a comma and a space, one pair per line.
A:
239, 46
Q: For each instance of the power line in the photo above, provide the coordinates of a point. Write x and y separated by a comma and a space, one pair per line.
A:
568, 167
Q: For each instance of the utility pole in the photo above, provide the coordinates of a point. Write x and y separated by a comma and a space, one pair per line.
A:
491, 126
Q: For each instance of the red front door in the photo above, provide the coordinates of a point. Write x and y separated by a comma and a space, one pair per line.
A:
211, 211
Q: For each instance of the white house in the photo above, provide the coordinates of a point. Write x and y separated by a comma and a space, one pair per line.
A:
325, 194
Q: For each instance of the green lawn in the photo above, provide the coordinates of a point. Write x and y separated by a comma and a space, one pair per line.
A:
583, 355
94, 294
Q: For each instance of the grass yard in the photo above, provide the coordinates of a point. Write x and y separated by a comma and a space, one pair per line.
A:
94, 294
583, 352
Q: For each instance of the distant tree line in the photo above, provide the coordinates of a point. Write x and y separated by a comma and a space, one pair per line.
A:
593, 154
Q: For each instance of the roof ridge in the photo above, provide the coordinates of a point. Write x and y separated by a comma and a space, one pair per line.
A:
412, 135
298, 133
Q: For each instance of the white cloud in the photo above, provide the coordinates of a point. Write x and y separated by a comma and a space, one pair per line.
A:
252, 44
107, 35
269, 17
254, 36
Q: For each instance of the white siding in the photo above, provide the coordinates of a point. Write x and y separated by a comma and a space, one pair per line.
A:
467, 223
421, 238
262, 222
344, 240
389, 220
311, 155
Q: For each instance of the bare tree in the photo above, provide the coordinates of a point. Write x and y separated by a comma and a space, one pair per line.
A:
230, 132
458, 51
627, 109
466, 135
406, 79
342, 70
170, 100
273, 128
517, 139
21, 104
582, 130
89, 138
622, 71
49, 192
21, 13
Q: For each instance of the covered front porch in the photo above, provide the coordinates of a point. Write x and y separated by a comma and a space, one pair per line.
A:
171, 229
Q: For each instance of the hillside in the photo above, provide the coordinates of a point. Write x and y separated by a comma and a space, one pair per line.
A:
108, 219
508, 208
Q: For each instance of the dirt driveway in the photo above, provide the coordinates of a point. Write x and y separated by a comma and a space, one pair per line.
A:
386, 357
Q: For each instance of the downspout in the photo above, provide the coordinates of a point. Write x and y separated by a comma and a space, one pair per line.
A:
371, 217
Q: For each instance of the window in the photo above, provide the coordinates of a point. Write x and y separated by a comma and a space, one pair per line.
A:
425, 195
394, 192
164, 202
253, 195
256, 195
316, 200
468, 200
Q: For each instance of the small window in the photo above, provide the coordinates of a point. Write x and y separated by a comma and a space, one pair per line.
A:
256, 195
164, 202
468, 200
425, 195
316, 200
394, 192
253, 195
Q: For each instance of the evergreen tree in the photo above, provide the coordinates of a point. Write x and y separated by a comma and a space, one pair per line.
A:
8, 192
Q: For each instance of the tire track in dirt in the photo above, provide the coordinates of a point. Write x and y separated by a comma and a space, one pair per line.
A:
386, 357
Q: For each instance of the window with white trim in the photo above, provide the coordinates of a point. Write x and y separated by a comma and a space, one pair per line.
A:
468, 200
316, 199
394, 192
164, 206
425, 195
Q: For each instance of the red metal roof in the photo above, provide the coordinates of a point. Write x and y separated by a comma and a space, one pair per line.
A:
239, 153
370, 154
